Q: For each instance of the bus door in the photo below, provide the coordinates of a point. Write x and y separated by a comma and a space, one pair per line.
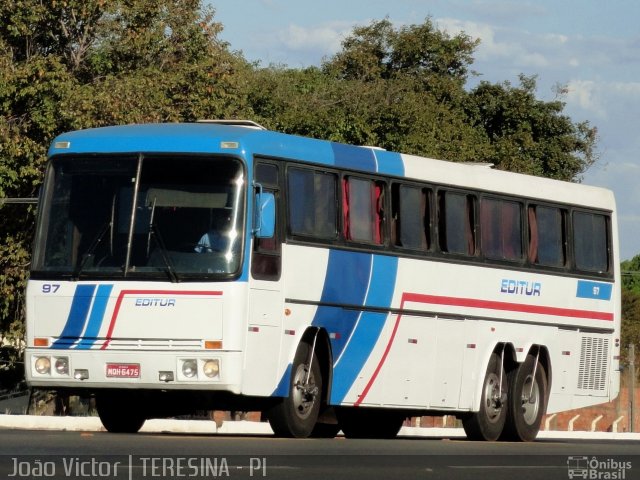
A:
266, 303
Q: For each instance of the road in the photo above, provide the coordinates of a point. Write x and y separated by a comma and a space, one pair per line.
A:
62, 455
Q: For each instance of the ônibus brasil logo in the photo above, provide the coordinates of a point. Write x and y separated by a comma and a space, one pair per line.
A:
594, 468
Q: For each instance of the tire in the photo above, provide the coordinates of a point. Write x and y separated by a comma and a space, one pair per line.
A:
358, 422
488, 422
296, 415
525, 412
120, 412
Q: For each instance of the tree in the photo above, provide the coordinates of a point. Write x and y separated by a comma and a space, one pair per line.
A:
408, 88
528, 135
404, 89
398, 89
630, 320
630, 270
70, 64
630, 273
420, 51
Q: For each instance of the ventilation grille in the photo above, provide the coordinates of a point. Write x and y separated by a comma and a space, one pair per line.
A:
594, 363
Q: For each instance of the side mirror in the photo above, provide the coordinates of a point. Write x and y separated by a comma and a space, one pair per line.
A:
265, 215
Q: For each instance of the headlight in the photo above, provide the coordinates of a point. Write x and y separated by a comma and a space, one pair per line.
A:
189, 368
211, 368
62, 366
43, 365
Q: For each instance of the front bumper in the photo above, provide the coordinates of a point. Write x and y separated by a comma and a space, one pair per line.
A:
91, 369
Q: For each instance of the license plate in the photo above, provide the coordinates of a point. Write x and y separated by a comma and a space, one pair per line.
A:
123, 370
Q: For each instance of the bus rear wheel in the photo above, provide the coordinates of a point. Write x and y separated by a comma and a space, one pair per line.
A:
488, 422
120, 412
358, 422
527, 401
296, 415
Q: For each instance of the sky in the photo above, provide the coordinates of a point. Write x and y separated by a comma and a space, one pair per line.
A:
591, 47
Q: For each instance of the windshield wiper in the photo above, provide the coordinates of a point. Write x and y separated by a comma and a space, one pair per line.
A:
171, 272
89, 253
153, 231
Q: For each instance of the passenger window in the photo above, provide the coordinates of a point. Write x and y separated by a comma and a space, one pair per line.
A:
363, 210
456, 223
312, 203
500, 229
411, 217
547, 236
590, 242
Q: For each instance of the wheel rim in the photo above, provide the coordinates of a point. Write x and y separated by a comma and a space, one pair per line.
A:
304, 394
530, 403
492, 397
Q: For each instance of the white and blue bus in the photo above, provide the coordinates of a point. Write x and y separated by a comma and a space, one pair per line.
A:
218, 265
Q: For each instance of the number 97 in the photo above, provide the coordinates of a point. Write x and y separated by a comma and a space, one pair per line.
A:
50, 288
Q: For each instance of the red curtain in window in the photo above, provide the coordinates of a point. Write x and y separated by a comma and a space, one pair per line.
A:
345, 208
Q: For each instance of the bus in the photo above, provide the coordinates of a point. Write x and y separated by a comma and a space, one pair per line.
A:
219, 265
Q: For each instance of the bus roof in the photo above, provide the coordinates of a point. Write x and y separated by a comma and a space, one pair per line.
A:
245, 140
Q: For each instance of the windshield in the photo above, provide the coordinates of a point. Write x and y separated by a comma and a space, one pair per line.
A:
141, 216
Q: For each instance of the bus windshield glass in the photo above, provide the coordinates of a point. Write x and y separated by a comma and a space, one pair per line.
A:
157, 217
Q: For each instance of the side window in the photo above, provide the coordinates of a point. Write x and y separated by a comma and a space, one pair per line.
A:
411, 217
312, 203
362, 210
456, 223
500, 229
265, 259
547, 236
590, 242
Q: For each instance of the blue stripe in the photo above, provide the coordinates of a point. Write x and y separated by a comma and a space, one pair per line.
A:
389, 163
369, 328
96, 317
346, 283
358, 158
77, 316
594, 290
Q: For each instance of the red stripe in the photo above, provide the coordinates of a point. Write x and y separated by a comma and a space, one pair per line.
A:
382, 360
122, 294
507, 306
475, 303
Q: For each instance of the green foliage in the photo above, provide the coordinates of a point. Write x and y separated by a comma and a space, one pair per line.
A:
630, 320
419, 51
631, 274
404, 90
528, 135
630, 270
14, 263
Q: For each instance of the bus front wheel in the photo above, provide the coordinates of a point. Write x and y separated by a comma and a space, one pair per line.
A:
296, 414
488, 422
119, 412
